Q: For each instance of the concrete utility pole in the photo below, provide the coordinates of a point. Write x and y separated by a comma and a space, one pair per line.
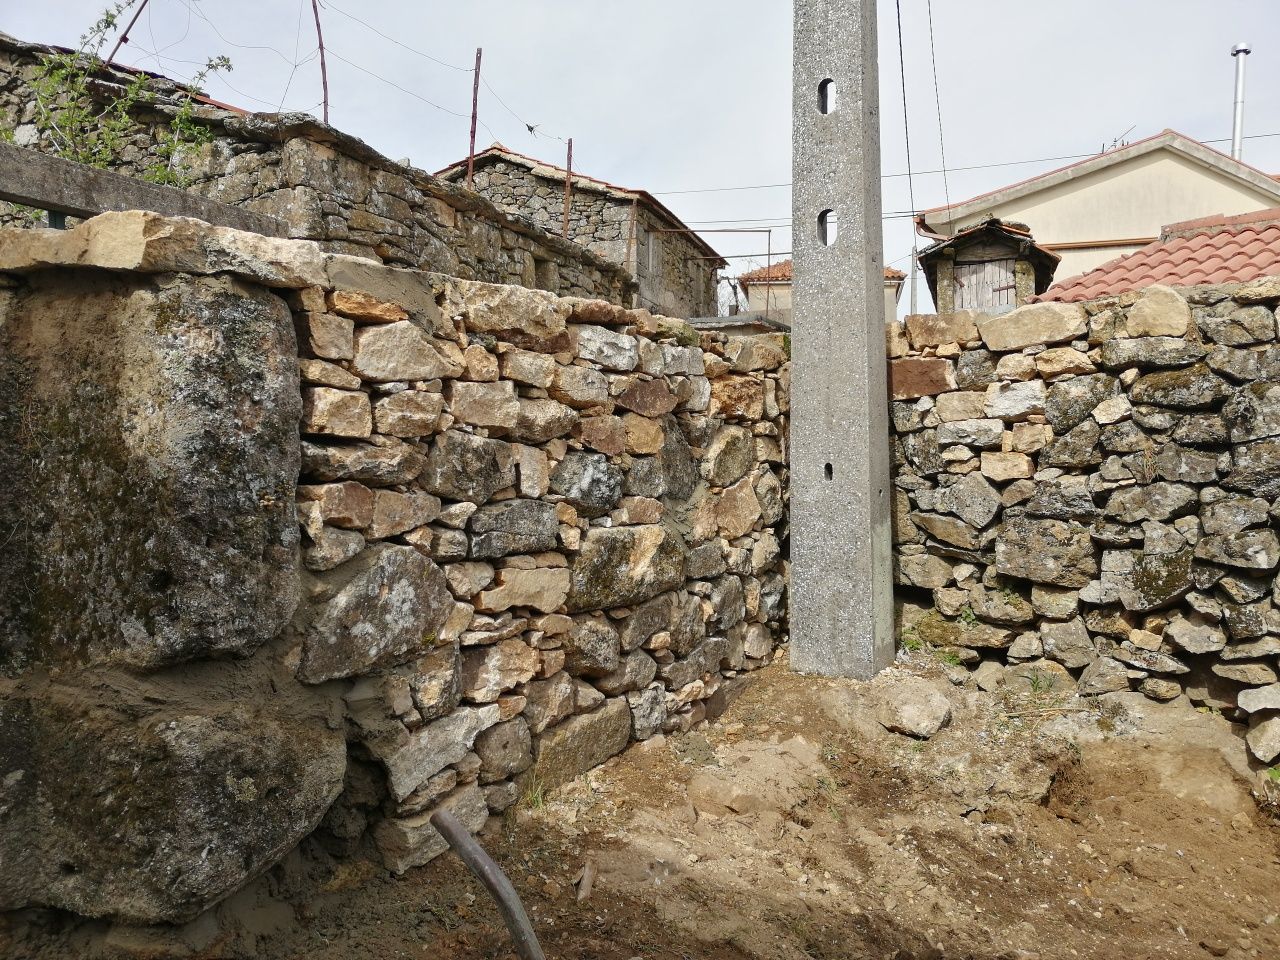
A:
841, 561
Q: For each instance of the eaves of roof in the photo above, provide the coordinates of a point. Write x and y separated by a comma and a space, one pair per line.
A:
1167, 139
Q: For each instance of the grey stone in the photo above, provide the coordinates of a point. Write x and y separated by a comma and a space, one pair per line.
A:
1200, 429
648, 711
728, 457
635, 671
571, 748
975, 369
505, 749
1249, 549
1253, 413
1246, 620
462, 466
379, 465
429, 749
605, 348
1000, 606
1067, 498
982, 434
588, 481
1264, 736
1155, 581
1192, 388
1070, 402
513, 526
592, 647
1251, 672
1152, 660
624, 566
1182, 465
1233, 514
1076, 449
406, 842
392, 602
1255, 469
1103, 675
540, 420
1068, 643
972, 499
1157, 501
913, 707
1055, 552
1157, 352
1195, 634
115, 809
1236, 327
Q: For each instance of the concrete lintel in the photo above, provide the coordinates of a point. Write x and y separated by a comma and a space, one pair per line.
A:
841, 539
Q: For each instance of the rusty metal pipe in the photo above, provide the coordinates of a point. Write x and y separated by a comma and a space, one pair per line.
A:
494, 880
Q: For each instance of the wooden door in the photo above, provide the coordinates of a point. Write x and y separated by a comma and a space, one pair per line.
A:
984, 286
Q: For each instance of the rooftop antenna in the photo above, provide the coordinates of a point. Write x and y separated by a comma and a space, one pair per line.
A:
1237, 120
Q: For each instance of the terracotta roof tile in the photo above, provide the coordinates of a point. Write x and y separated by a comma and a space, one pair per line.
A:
780, 272
1211, 250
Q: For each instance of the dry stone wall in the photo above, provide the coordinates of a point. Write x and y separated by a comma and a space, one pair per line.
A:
313, 540
332, 188
1088, 492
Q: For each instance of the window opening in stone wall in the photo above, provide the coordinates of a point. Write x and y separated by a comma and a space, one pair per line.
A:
546, 274
644, 251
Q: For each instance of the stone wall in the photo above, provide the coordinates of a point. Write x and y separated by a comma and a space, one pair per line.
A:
515, 533
673, 277
1088, 491
332, 188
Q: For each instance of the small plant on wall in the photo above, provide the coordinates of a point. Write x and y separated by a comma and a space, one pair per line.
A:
84, 126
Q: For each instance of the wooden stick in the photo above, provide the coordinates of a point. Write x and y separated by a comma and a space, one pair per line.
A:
324, 67
475, 115
124, 37
494, 880
568, 188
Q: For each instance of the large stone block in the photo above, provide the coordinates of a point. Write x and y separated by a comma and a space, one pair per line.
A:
587, 740
462, 466
1055, 552
1036, 323
622, 566
920, 377
513, 526
394, 604
115, 809
402, 351
149, 448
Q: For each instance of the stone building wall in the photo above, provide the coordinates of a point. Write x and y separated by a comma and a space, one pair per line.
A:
1088, 494
679, 283
332, 188
321, 545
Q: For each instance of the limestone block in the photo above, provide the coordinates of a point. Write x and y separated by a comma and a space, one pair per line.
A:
1060, 361
542, 589
394, 601
738, 397
348, 505
1003, 467
607, 434
462, 466
960, 405
534, 471
579, 387
327, 335
644, 436
1015, 401
1036, 323
548, 701
486, 404
1191, 388
933, 329
395, 513
329, 547
406, 842
573, 747
540, 420
325, 374
513, 526
1159, 311
738, 509
1150, 352
504, 750
365, 308
482, 366
339, 413
376, 465
920, 377
1264, 736
429, 749
530, 319
605, 348
1249, 549
523, 366
401, 351
1054, 552
488, 672
410, 413
1068, 643
589, 482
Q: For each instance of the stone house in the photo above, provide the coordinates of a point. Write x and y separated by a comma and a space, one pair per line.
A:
768, 290
994, 267
677, 272
1116, 202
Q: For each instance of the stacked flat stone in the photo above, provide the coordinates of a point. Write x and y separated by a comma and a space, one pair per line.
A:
537, 529
329, 187
1089, 494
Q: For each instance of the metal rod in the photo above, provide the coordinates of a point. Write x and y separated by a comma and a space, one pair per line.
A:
324, 66
768, 270
913, 278
124, 37
475, 115
494, 880
568, 188
1239, 52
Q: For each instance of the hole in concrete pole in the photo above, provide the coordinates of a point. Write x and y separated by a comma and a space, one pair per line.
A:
827, 96
829, 472
827, 227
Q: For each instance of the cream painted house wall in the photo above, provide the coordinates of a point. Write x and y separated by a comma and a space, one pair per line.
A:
1130, 200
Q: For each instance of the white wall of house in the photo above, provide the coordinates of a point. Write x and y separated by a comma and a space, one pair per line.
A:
779, 299
1128, 201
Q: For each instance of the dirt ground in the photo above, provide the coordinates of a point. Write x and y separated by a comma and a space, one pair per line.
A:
1032, 826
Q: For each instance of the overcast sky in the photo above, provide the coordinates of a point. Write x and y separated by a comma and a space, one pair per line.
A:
686, 95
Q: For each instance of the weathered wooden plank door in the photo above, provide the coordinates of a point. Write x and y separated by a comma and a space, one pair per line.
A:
984, 286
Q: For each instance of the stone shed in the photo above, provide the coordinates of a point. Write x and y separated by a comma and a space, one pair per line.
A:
676, 270
994, 267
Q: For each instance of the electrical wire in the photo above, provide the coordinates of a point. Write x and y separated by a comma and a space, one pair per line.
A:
392, 83
937, 102
297, 41
329, 5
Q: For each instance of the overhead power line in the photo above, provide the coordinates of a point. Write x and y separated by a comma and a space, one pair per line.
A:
922, 173
937, 101
906, 127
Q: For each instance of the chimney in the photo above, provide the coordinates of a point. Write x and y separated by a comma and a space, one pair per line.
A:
1239, 52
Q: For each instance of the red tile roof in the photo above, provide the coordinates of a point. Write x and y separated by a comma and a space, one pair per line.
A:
1210, 250
780, 272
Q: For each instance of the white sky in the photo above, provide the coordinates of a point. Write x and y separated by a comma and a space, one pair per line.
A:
671, 95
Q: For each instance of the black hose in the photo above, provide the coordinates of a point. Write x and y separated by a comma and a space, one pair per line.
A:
495, 881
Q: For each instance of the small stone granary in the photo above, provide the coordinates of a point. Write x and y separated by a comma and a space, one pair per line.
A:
993, 267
